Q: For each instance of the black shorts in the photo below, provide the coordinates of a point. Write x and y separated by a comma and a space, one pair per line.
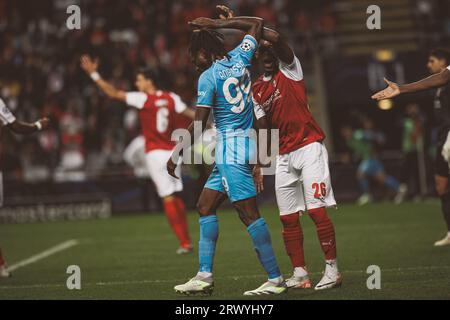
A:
441, 167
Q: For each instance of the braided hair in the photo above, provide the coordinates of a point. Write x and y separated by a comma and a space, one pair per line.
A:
209, 40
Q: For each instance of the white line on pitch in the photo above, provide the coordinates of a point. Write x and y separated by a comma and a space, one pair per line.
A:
249, 276
44, 254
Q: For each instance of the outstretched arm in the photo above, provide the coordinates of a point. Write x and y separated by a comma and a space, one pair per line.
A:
90, 66
250, 25
21, 127
393, 89
9, 120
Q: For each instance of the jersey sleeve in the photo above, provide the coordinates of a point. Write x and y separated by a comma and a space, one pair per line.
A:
448, 68
258, 110
206, 88
292, 71
246, 49
6, 116
136, 99
180, 106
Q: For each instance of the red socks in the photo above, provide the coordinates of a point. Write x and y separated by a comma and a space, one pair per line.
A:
325, 232
293, 236
182, 211
293, 239
176, 214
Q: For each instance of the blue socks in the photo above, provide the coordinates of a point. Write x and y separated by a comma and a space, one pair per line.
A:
263, 245
391, 183
209, 232
364, 185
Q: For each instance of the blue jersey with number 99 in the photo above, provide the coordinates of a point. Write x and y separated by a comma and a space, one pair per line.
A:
226, 88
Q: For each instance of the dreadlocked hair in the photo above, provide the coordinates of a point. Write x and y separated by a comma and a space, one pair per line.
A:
209, 40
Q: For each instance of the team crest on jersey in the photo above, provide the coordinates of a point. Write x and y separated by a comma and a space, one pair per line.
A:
246, 46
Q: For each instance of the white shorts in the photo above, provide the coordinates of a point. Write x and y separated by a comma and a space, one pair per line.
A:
166, 185
302, 180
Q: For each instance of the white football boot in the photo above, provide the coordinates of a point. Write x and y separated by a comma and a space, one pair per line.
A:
443, 242
268, 288
197, 285
401, 194
299, 280
185, 250
4, 273
364, 199
331, 277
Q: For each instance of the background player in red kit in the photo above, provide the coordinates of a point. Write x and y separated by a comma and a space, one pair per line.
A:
302, 180
8, 120
157, 112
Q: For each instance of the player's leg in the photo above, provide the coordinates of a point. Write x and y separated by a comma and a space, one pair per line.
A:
442, 189
167, 187
388, 181
3, 268
260, 235
3, 271
238, 182
210, 199
313, 162
364, 184
178, 222
291, 203
181, 209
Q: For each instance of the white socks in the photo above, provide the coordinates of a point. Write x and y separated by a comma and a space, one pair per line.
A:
300, 272
204, 275
277, 280
331, 266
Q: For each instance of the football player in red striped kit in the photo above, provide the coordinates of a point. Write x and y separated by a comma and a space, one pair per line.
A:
302, 179
157, 112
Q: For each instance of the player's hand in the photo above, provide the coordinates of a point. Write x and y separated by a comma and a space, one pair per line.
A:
391, 91
171, 167
45, 123
225, 12
202, 22
88, 64
258, 178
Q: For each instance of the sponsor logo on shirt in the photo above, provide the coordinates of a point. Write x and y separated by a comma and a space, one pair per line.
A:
266, 105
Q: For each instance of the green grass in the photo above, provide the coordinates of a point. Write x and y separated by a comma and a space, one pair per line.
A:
134, 257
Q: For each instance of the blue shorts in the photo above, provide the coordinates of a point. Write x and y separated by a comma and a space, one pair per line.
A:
370, 167
232, 173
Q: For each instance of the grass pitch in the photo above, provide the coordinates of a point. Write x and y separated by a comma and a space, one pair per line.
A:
134, 257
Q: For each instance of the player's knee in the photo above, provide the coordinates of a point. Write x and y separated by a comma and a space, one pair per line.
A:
290, 220
204, 209
248, 213
318, 215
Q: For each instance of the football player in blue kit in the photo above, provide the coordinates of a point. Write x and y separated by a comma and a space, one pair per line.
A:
224, 88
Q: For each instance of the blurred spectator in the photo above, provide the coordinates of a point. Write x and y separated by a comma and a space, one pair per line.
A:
413, 148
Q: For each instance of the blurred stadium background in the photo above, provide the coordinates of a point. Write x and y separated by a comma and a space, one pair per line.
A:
77, 169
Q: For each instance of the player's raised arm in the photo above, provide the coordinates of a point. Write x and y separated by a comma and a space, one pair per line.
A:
279, 44
393, 89
250, 25
90, 66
